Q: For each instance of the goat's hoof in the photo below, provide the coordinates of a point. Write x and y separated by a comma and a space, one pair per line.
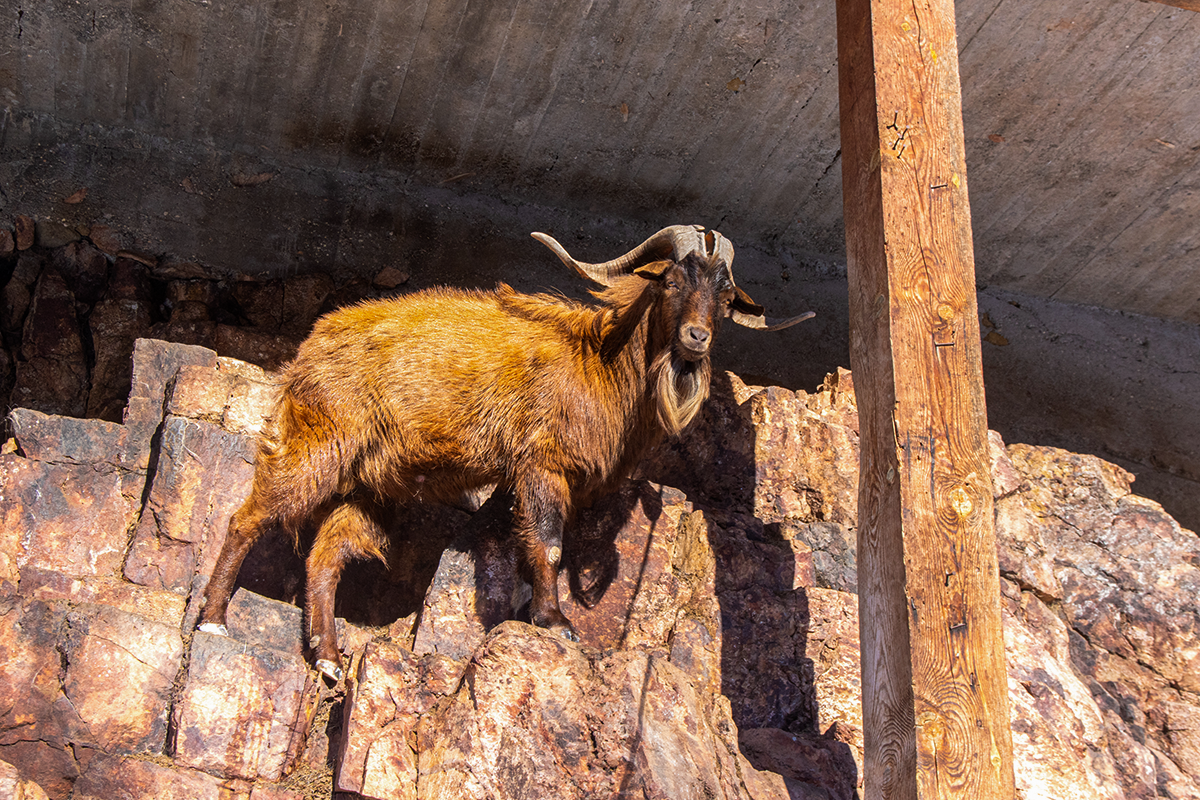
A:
329, 670
213, 627
569, 634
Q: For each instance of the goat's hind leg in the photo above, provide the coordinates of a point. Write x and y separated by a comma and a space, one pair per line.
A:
351, 530
245, 526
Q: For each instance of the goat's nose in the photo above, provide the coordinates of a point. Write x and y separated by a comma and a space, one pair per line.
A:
697, 336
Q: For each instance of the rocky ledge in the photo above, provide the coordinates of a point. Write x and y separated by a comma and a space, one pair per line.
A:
714, 595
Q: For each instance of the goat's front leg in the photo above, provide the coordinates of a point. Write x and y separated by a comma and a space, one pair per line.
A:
541, 509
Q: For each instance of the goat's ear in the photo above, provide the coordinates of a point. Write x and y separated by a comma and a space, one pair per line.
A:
654, 270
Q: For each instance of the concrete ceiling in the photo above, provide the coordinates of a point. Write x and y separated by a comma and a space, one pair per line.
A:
1082, 122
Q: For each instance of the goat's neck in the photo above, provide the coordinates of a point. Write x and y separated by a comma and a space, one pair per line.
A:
662, 391
627, 342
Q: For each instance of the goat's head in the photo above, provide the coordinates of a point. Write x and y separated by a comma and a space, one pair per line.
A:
692, 272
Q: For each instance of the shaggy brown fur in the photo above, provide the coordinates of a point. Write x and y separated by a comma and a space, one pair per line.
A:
422, 397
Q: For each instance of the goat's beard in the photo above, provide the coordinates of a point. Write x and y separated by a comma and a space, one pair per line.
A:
682, 387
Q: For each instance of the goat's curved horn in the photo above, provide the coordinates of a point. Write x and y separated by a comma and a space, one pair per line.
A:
745, 311
759, 322
673, 242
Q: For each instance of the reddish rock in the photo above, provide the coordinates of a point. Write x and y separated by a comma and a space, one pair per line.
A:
536, 717
244, 711
15, 787
763, 638
765, 452
129, 280
111, 778
53, 374
257, 346
53, 235
824, 554
474, 587
1057, 728
390, 278
155, 365
45, 437
748, 556
48, 585
812, 766
115, 325
200, 292
1005, 478
116, 322
706, 616
391, 689
627, 570
265, 623
105, 239
1124, 579
303, 298
7, 372
85, 270
19, 291
35, 717
203, 475
273, 793
831, 647
378, 594
185, 328
24, 228
63, 517
238, 397
253, 394
712, 462
1181, 723
696, 645
281, 305
174, 268
795, 478
7, 243
11, 535
120, 668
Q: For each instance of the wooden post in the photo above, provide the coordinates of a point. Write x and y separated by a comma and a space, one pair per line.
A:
935, 694
1189, 5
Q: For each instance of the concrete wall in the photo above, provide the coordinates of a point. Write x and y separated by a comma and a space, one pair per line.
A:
1082, 120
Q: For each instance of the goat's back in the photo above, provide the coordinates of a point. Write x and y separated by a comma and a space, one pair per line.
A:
445, 389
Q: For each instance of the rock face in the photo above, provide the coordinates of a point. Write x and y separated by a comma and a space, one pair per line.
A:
1101, 586
714, 595
73, 303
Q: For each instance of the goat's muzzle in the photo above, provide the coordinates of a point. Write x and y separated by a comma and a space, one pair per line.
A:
694, 342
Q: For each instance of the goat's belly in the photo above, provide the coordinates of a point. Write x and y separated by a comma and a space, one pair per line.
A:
441, 484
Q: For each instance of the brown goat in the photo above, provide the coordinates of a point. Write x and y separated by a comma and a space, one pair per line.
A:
422, 397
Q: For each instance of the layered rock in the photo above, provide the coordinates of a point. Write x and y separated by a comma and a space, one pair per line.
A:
713, 595
1108, 582
74, 301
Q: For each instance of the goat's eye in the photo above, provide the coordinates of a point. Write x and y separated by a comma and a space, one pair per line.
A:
672, 285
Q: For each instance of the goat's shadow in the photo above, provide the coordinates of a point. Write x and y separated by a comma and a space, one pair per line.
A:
765, 621
591, 584
370, 592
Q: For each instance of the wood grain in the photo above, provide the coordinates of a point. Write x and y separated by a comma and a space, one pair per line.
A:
1190, 5
934, 683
